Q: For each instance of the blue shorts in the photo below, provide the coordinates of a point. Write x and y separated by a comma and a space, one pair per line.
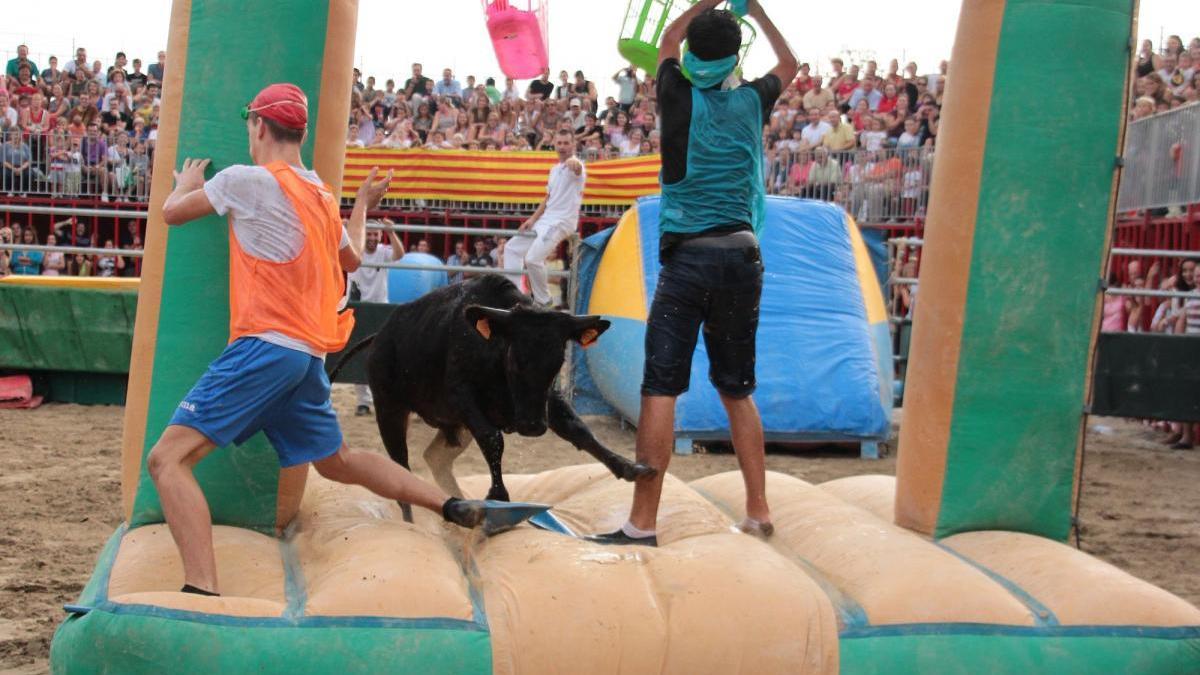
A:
257, 386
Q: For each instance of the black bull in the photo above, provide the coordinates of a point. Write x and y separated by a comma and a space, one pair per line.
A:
478, 357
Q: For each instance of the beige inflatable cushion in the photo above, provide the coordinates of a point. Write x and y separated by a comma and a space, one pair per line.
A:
548, 487
876, 494
248, 564
359, 558
706, 600
189, 602
896, 576
1078, 588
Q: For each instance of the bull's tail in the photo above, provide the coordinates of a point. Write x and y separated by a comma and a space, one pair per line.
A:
353, 351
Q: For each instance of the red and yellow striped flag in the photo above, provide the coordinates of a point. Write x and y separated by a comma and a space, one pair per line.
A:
512, 177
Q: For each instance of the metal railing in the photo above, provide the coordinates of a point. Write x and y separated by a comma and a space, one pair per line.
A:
490, 208
887, 185
14, 250
1162, 161
75, 250
66, 164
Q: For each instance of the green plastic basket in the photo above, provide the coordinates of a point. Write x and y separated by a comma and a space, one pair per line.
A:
645, 21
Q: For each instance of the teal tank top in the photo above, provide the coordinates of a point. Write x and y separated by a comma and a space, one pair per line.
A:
724, 184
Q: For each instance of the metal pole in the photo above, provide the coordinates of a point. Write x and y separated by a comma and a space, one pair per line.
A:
443, 229
1148, 293
64, 211
1148, 252
458, 268
114, 252
572, 286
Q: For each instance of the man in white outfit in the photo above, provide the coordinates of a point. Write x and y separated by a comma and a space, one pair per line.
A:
554, 220
372, 283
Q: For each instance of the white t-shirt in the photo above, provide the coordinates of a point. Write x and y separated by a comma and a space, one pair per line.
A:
626, 89
873, 140
1191, 312
565, 195
373, 281
814, 135
264, 222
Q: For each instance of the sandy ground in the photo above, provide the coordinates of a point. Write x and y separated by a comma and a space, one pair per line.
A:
60, 494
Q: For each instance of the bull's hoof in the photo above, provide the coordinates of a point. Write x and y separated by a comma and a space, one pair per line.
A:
635, 471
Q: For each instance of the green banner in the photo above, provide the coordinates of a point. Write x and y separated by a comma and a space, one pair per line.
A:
66, 329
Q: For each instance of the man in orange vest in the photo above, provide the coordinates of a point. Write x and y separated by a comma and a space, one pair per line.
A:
288, 250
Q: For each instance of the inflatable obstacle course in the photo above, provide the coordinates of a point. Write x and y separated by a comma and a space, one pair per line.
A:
824, 366
844, 585
839, 588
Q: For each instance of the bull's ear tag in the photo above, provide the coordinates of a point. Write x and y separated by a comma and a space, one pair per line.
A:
589, 337
484, 328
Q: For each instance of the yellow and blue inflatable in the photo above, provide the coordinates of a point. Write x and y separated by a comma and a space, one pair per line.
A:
824, 358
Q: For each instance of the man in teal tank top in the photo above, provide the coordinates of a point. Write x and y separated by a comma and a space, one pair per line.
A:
711, 211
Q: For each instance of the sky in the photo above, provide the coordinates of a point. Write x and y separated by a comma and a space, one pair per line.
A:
583, 33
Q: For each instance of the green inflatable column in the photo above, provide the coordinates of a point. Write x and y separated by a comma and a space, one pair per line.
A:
1016, 242
222, 52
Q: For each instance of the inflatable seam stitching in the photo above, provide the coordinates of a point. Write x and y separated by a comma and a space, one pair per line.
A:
850, 612
294, 586
1042, 616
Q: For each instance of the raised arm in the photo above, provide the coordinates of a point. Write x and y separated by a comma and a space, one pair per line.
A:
394, 238
787, 67
188, 201
370, 193
668, 47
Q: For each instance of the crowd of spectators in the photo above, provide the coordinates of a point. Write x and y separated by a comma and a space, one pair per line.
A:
448, 114
858, 136
1166, 79
873, 111
855, 135
83, 128
1171, 316
70, 233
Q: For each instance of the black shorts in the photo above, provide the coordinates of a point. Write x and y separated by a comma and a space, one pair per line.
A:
718, 288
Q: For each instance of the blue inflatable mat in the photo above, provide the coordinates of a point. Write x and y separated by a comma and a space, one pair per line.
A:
824, 365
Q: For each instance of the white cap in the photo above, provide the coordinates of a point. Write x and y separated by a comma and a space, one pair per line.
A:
575, 101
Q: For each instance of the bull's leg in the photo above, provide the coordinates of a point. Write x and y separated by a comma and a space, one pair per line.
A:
440, 456
393, 429
566, 423
489, 438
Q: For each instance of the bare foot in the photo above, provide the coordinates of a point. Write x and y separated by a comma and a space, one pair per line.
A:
757, 528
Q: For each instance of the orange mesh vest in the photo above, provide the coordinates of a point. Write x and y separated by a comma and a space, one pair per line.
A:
298, 298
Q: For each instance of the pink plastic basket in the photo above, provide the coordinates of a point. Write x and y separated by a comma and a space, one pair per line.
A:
520, 36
